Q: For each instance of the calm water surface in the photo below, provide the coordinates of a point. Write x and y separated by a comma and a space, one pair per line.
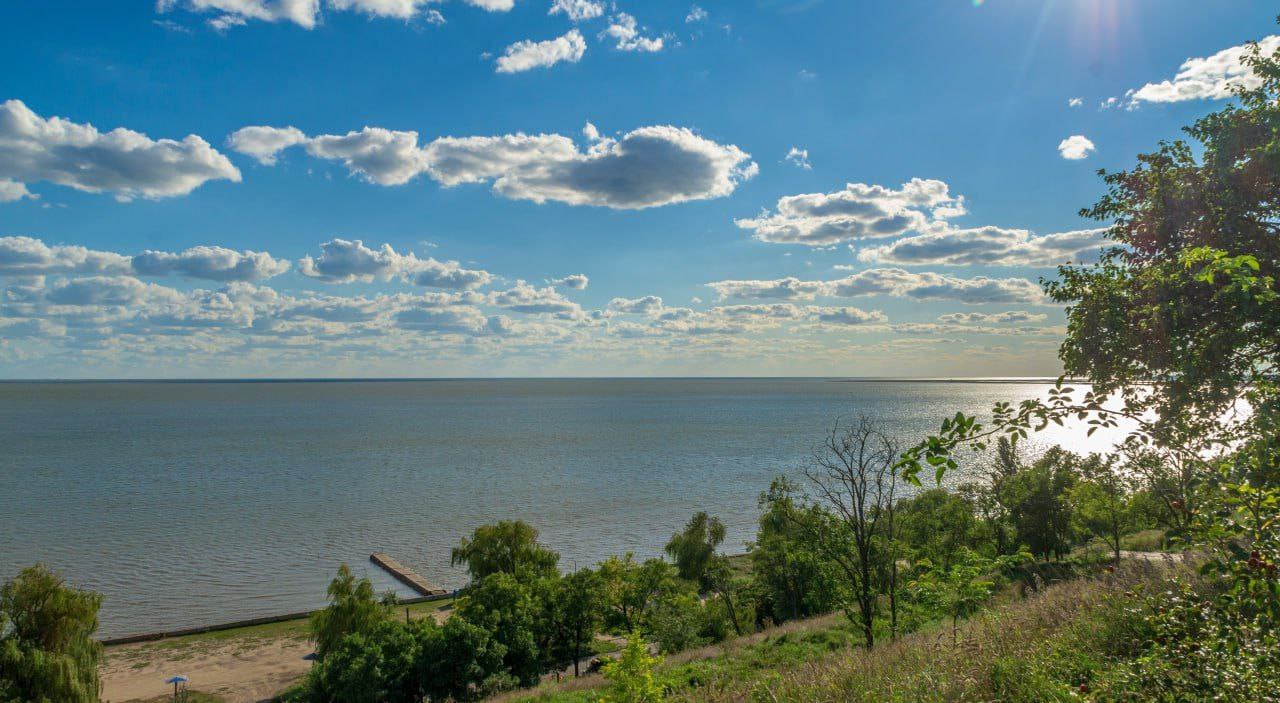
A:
197, 503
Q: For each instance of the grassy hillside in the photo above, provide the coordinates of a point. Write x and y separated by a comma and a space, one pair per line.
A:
1040, 648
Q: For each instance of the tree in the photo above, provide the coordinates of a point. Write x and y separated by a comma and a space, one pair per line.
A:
1038, 506
47, 650
377, 666
353, 609
630, 676
509, 610
577, 603
961, 589
630, 587
1101, 503
936, 524
793, 578
692, 548
510, 546
459, 661
727, 587
854, 476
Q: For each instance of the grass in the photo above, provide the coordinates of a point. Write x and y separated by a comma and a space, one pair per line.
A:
1037, 648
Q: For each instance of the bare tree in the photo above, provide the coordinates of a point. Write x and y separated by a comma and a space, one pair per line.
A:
854, 477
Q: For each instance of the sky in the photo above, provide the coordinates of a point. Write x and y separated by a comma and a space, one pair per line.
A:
435, 188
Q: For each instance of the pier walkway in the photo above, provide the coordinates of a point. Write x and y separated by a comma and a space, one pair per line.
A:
407, 576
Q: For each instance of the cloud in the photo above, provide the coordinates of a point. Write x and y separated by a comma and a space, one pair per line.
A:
997, 318
622, 27
303, 13
210, 263
860, 211
1075, 147
1075, 102
577, 10
647, 167
125, 163
848, 316
493, 5
264, 143
398, 9
13, 190
345, 261
696, 14
799, 158
989, 246
890, 282
529, 299
26, 256
109, 291
527, 55
576, 281
1207, 78
640, 306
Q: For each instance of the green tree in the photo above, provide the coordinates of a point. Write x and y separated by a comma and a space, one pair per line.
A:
793, 578
693, 547
630, 676
510, 547
961, 589
630, 587
937, 524
1038, 505
509, 610
1101, 503
377, 666
353, 608
577, 605
47, 650
459, 661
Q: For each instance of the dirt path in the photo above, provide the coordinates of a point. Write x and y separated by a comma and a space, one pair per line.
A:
241, 671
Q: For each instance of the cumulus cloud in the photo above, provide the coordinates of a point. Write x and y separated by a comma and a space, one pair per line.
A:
210, 263
13, 190
1207, 78
647, 167
860, 211
527, 55
623, 28
799, 158
576, 281
27, 256
399, 9
989, 246
577, 10
1075, 147
1075, 102
848, 316
526, 298
264, 143
891, 282
640, 306
696, 14
994, 318
306, 13
122, 162
345, 261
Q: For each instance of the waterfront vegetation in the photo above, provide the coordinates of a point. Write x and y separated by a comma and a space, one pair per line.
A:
868, 580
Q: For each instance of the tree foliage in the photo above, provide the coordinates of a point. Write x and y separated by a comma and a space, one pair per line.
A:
353, 608
693, 547
509, 547
47, 651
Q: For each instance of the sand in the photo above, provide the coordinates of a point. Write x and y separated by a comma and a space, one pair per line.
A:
241, 671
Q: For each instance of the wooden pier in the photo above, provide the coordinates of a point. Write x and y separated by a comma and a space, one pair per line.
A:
407, 576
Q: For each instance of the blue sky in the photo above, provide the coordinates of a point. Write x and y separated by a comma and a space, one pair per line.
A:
233, 253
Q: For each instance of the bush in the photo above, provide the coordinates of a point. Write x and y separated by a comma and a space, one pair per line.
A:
47, 651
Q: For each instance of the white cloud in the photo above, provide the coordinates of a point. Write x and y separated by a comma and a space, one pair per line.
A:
576, 281
860, 211
622, 27
799, 158
304, 13
1207, 78
265, 143
848, 316
640, 306
989, 246
696, 14
997, 318
1075, 147
13, 190
26, 256
125, 163
526, 298
399, 9
344, 261
1075, 102
647, 167
890, 282
527, 55
577, 10
493, 5
210, 263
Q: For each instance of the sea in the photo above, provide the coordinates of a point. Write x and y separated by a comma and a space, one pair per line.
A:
189, 503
